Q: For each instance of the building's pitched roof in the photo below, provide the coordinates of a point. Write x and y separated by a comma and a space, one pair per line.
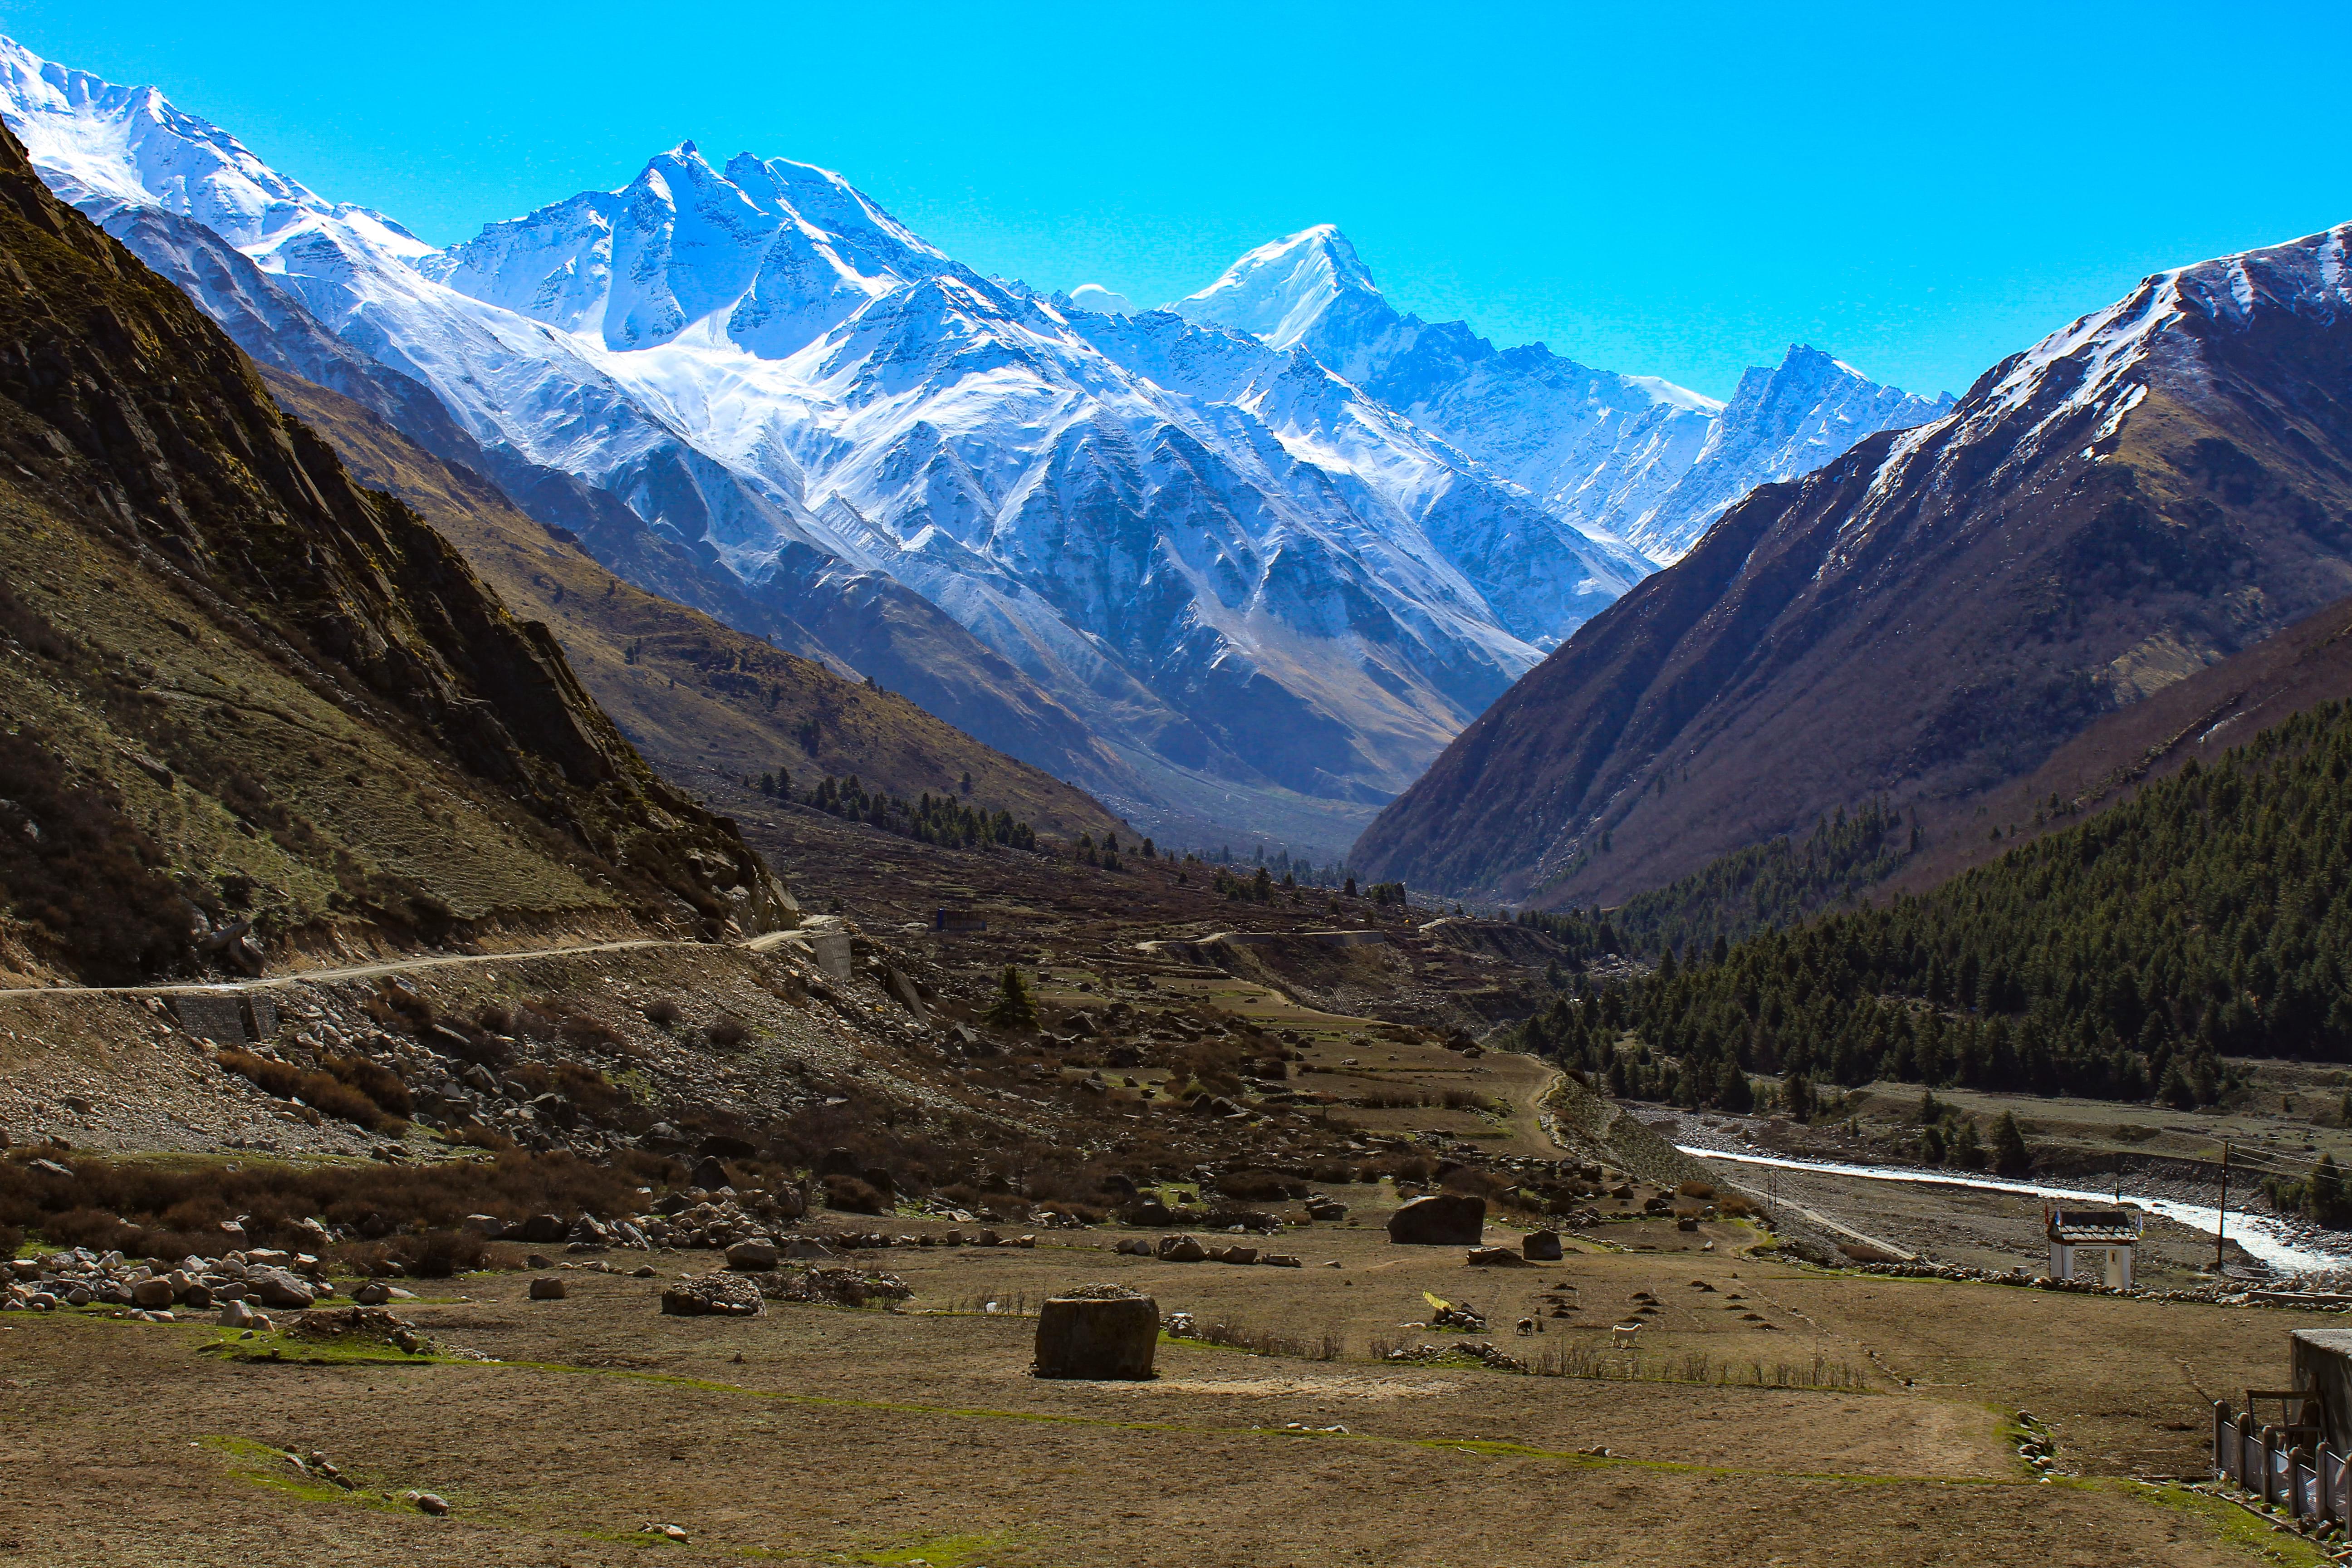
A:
2077, 1227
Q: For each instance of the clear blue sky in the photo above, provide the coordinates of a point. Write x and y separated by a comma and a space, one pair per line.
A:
1673, 190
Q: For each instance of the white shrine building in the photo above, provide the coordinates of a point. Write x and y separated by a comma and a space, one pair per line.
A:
2094, 1245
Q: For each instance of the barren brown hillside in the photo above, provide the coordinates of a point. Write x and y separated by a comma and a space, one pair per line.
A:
689, 692
1931, 617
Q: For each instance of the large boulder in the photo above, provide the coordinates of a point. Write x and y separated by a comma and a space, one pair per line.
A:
756, 1254
540, 1229
275, 1287
1097, 1332
1541, 1247
1441, 1219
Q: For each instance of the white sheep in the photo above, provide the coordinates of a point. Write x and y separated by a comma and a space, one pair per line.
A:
1624, 1334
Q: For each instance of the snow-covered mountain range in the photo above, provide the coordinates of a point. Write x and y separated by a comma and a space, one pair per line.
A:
1624, 456
1245, 564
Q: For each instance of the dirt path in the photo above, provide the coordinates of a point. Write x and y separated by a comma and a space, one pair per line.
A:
1528, 1084
760, 943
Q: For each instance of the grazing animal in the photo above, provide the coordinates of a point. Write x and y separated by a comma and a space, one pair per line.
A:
1526, 1325
1624, 1334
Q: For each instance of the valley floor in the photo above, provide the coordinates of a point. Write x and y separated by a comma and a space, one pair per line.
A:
820, 1436
1767, 1413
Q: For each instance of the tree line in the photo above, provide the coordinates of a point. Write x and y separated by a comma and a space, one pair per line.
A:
931, 820
2121, 958
1760, 887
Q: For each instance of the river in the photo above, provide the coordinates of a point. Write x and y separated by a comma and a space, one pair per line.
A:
2261, 1235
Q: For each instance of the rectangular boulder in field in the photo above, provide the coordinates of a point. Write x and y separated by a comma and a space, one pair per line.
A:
1441, 1219
1097, 1332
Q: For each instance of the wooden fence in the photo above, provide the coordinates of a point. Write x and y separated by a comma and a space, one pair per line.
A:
2285, 1461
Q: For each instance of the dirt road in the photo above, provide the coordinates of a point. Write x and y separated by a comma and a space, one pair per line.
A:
760, 943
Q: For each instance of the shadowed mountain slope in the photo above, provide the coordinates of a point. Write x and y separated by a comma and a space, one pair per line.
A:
689, 691
2157, 487
241, 688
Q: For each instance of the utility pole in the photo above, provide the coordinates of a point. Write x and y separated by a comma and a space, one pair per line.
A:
2221, 1220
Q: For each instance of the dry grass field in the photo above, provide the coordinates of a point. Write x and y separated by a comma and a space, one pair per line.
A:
824, 1436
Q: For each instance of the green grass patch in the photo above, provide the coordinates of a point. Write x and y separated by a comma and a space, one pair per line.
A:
940, 1551
267, 1466
2247, 1531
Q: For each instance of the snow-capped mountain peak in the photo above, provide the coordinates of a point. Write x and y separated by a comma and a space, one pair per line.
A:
768, 255
1279, 291
1782, 422
103, 144
1101, 302
1633, 459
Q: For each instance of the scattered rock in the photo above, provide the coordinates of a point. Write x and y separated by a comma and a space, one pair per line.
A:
548, 1289
707, 1294
1541, 1247
1495, 1257
844, 1287
1441, 1219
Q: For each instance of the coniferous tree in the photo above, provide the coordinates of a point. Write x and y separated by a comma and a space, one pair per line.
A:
1013, 1008
1732, 1090
1797, 1095
1967, 1150
2009, 1155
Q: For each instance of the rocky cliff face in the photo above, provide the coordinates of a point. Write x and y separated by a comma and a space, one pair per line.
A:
281, 698
2147, 492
